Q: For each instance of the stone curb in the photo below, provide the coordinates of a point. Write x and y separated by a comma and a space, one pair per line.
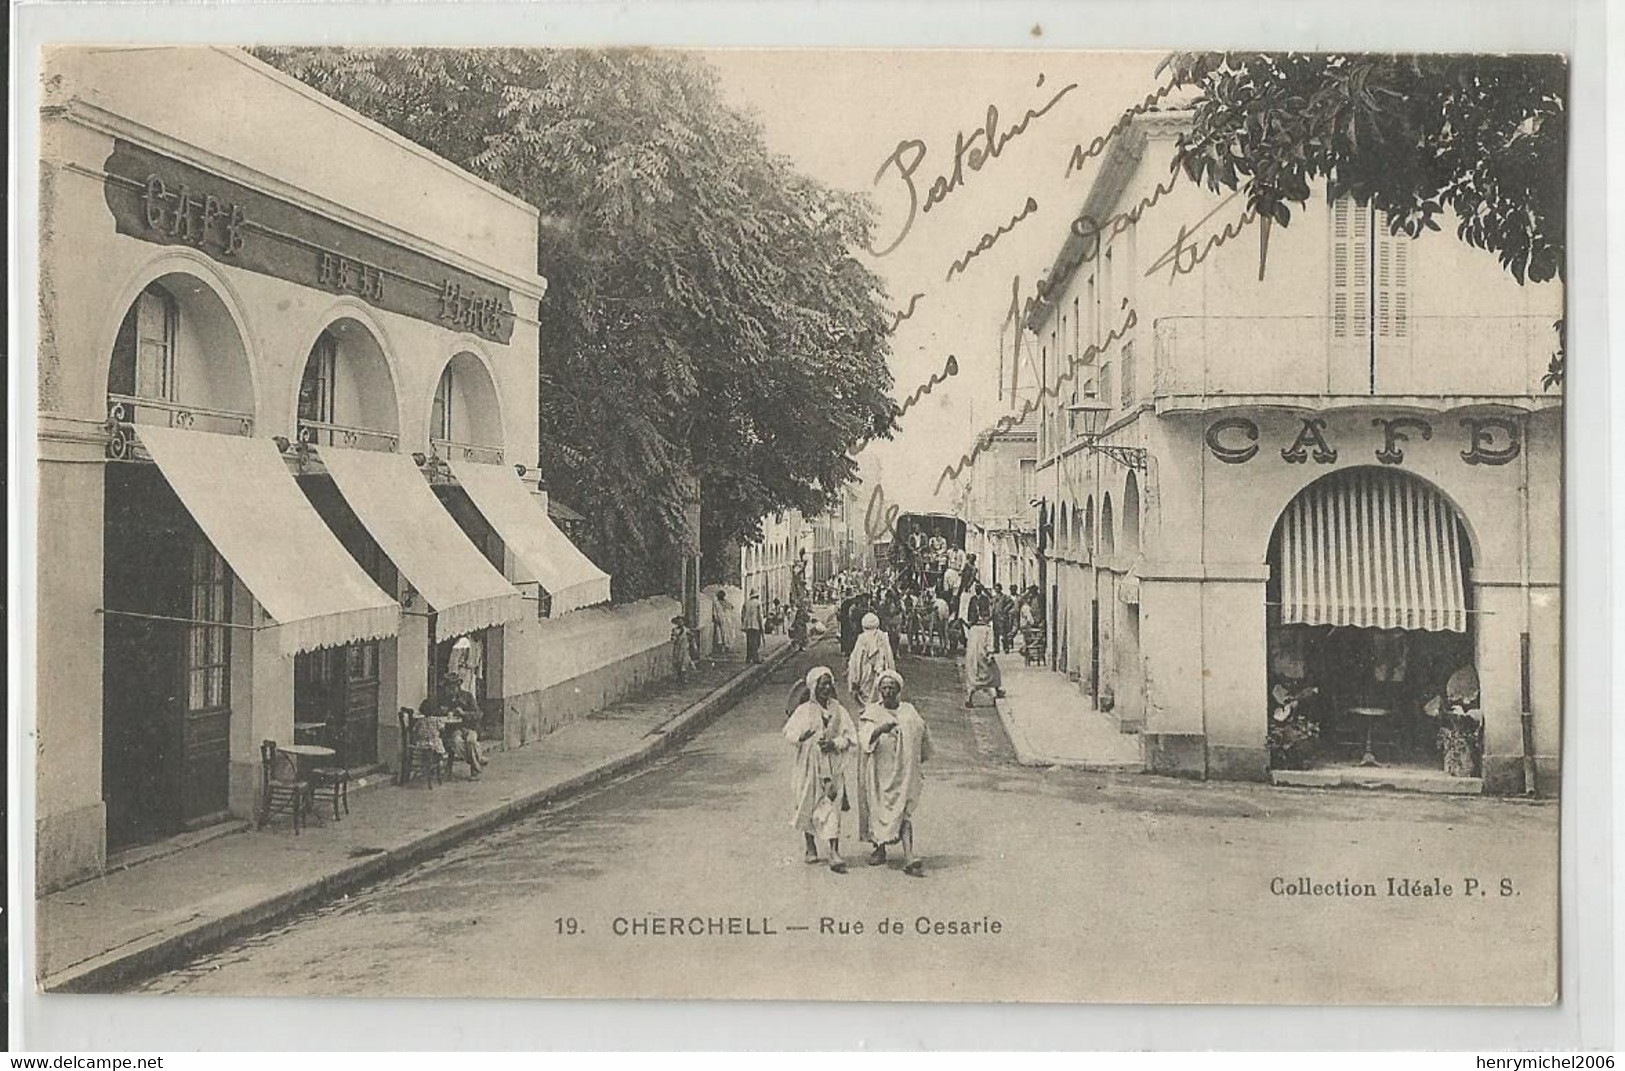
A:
150, 955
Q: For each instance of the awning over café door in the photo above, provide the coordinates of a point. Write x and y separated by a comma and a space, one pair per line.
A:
395, 503
544, 552
242, 496
1372, 549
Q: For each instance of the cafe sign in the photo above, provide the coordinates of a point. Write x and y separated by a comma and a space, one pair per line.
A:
159, 199
1489, 440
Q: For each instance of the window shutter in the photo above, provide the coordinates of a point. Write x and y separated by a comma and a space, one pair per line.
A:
1340, 268
1393, 284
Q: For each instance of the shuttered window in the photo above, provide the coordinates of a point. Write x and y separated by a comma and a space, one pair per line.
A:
1351, 269
1362, 247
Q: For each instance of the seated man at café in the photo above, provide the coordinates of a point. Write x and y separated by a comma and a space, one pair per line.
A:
462, 737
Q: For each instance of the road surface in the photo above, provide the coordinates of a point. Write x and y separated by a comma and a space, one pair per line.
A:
1041, 885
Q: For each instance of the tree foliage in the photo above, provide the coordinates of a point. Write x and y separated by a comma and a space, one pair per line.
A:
705, 313
1485, 135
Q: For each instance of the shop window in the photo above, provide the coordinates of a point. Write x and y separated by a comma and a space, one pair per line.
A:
144, 351
208, 665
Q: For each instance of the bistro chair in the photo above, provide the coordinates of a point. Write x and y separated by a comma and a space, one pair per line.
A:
331, 783
416, 758
281, 787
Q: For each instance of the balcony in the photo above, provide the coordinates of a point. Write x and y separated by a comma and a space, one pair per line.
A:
324, 433
451, 450
124, 411
1442, 362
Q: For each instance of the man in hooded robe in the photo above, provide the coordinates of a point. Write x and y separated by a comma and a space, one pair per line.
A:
871, 656
823, 735
893, 741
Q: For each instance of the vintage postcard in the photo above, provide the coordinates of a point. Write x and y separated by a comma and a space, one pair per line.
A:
858, 524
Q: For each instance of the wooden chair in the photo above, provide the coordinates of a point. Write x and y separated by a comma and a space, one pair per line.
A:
332, 783
281, 787
417, 759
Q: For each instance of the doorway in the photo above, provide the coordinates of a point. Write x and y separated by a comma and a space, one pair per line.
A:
166, 677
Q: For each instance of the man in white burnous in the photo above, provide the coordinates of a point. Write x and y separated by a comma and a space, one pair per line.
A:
871, 656
893, 741
822, 732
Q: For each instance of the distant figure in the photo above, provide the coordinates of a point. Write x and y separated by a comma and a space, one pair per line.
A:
750, 618
893, 741
871, 657
981, 669
681, 661
798, 626
721, 623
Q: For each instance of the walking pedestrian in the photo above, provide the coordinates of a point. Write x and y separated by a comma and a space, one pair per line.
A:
981, 668
823, 735
871, 656
893, 742
750, 618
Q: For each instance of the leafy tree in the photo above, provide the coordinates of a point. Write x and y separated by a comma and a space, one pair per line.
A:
1485, 135
705, 315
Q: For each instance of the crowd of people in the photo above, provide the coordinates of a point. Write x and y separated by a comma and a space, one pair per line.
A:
925, 612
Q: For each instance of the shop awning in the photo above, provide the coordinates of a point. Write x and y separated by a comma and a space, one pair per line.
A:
1372, 550
241, 494
395, 503
545, 552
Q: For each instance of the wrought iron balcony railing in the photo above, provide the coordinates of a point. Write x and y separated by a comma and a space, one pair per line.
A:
451, 450
325, 433
125, 411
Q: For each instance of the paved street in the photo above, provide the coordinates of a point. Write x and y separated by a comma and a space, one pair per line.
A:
1103, 886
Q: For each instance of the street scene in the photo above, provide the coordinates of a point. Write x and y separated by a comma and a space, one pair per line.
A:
845, 525
1104, 887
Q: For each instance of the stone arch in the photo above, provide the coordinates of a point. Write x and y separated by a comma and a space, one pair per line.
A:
217, 364
1108, 537
476, 409
368, 386
1131, 513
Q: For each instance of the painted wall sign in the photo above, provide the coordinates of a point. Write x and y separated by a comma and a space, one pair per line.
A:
1233, 455
157, 198
1491, 440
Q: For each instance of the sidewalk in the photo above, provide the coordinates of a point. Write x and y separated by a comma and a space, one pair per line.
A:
1050, 722
96, 935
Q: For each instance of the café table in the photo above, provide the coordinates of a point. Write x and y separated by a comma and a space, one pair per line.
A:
1371, 715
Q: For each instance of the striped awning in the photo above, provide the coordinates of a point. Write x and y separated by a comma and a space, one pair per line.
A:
1372, 549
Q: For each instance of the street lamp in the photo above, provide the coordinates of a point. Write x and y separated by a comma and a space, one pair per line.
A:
1092, 414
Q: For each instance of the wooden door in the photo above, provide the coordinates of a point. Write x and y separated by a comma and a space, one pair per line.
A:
146, 567
205, 716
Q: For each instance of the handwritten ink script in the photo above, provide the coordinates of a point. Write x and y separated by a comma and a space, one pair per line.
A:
990, 239
973, 151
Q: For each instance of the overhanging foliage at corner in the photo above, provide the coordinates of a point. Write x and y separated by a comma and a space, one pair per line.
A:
705, 311
1485, 135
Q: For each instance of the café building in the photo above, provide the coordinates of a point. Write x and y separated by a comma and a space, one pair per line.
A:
1300, 488
287, 389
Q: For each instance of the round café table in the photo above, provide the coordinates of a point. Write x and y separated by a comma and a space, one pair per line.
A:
1371, 716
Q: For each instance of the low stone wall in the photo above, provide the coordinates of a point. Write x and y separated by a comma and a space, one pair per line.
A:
585, 661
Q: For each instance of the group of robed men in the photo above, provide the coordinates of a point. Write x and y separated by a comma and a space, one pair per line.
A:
872, 765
